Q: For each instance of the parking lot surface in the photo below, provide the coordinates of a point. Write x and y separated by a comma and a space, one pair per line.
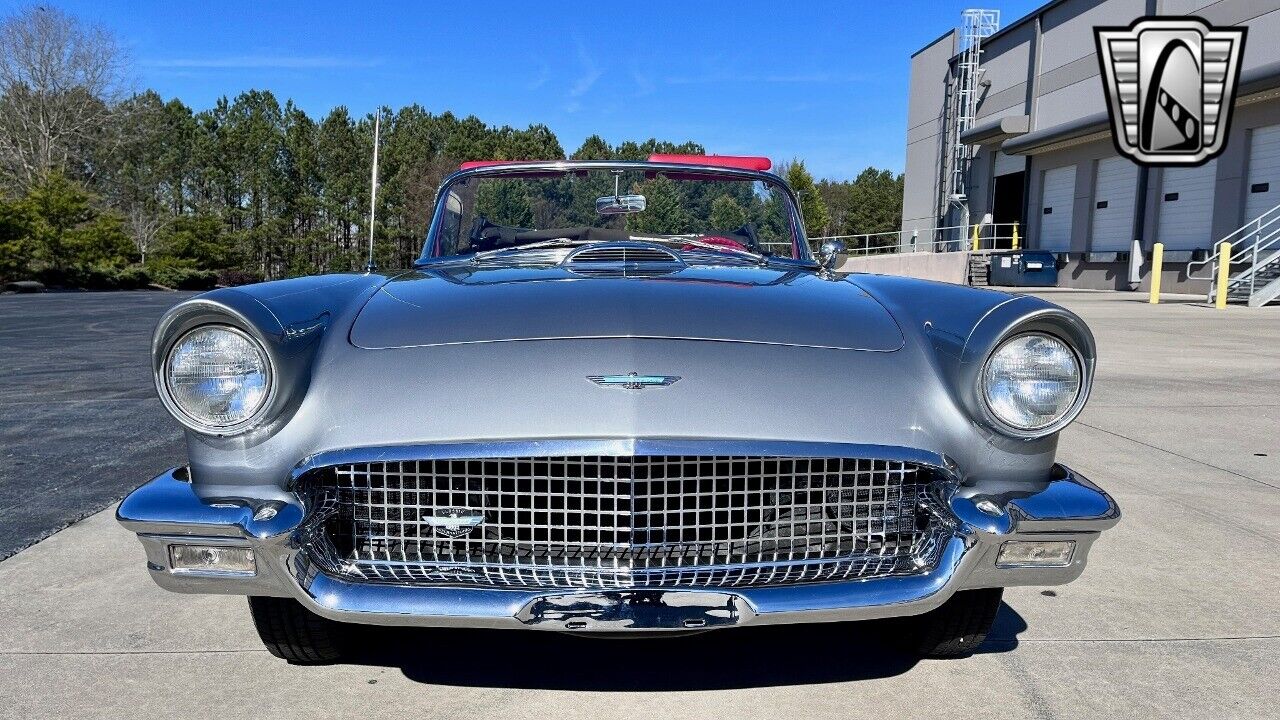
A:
79, 418
1175, 617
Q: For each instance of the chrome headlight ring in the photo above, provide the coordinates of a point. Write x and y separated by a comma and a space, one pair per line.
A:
255, 396
1075, 381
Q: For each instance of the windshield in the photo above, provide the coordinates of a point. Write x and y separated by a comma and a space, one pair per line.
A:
689, 212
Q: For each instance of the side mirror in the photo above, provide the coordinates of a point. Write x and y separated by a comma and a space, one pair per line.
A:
829, 253
620, 204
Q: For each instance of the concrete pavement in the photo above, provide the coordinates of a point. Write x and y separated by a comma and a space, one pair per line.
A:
1177, 615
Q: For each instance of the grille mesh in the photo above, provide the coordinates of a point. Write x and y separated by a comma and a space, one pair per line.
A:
625, 521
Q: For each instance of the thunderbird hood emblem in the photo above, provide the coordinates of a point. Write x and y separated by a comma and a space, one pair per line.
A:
633, 381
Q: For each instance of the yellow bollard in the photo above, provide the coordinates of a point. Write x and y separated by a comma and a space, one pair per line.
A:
1224, 273
1157, 265
975, 237
1015, 236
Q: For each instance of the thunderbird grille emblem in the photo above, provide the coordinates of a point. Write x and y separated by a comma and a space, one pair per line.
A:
454, 521
633, 381
1170, 85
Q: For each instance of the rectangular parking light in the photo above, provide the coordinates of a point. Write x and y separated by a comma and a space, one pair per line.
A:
1036, 553
222, 559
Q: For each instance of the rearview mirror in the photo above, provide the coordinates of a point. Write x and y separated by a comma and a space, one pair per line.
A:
620, 204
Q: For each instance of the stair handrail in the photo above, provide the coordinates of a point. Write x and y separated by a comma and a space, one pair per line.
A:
1238, 255
1257, 261
1256, 252
1256, 225
1270, 243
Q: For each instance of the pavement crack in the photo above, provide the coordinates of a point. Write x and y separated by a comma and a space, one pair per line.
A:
1191, 406
1180, 455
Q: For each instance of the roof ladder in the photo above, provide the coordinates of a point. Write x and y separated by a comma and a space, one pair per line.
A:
962, 103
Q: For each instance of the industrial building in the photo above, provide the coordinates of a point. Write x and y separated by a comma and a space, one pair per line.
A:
1012, 121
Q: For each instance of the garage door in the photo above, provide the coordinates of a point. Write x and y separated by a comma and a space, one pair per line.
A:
1186, 207
1263, 192
1056, 204
1005, 164
1115, 186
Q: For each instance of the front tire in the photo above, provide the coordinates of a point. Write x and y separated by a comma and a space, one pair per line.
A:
292, 632
957, 628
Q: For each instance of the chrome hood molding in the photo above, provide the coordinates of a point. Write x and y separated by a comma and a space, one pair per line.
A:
465, 303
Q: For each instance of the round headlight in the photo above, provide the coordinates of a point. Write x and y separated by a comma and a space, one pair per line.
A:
218, 377
1031, 381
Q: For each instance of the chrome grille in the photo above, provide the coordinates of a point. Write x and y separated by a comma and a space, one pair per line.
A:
624, 521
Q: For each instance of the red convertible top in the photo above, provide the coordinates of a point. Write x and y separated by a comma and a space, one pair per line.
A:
740, 162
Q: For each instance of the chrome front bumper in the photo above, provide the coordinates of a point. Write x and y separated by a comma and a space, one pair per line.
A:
167, 510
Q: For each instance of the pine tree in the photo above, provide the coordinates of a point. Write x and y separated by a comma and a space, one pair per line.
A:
727, 214
812, 206
665, 211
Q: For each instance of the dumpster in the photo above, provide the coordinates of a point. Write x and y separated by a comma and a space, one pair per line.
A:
1024, 268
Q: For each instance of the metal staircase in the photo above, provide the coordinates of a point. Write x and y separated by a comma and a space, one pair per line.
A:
979, 269
1255, 252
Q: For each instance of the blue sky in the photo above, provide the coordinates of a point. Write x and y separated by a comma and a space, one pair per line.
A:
823, 81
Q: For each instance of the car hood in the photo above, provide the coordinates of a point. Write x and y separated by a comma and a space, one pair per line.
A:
466, 303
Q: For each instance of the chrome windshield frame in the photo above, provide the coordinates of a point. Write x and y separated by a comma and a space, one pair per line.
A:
800, 242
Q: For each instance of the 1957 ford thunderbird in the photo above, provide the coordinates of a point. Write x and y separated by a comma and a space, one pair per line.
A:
618, 397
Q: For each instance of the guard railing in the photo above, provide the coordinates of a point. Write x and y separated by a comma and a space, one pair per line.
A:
952, 238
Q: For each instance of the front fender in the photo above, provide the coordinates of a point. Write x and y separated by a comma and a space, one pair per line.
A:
961, 326
290, 319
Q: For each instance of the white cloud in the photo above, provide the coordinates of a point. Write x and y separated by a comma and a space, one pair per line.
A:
644, 83
537, 81
590, 73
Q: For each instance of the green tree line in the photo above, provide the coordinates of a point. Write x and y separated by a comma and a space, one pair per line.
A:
105, 188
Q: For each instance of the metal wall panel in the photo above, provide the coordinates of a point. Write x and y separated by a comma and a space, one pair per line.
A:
1057, 202
1186, 207
924, 152
1115, 186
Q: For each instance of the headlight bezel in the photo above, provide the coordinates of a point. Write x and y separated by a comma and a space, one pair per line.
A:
165, 390
1083, 368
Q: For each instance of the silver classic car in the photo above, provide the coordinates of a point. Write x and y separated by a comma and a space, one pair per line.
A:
618, 397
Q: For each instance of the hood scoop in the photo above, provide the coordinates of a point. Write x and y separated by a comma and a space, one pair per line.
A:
621, 252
